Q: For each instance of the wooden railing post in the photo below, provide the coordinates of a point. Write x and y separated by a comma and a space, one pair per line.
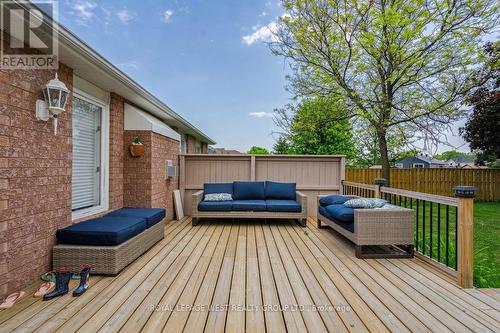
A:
465, 235
379, 182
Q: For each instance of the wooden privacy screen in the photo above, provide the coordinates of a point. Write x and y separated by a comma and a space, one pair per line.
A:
313, 174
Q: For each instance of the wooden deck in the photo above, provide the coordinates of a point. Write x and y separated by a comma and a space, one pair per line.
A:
287, 278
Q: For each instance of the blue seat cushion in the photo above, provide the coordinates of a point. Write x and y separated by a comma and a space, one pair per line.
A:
215, 206
249, 205
341, 213
333, 200
248, 191
152, 215
289, 206
349, 226
280, 190
108, 230
209, 188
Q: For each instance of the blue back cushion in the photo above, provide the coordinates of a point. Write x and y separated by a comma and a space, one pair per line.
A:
333, 200
152, 215
248, 191
209, 188
285, 191
102, 231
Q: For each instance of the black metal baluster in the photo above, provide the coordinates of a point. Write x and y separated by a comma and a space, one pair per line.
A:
456, 237
423, 226
447, 235
430, 227
405, 201
416, 236
439, 233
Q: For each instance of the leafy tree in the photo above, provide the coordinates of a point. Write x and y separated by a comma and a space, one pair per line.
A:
312, 129
401, 65
453, 154
282, 146
482, 129
257, 151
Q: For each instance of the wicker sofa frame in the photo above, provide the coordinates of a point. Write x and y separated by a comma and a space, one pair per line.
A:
197, 215
107, 260
378, 228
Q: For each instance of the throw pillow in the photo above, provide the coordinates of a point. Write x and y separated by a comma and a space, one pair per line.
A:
365, 203
218, 197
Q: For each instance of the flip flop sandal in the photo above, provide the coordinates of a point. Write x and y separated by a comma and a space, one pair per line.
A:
44, 288
11, 300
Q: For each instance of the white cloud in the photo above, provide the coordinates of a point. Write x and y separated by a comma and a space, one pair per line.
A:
261, 114
264, 13
131, 64
125, 16
83, 10
265, 33
167, 15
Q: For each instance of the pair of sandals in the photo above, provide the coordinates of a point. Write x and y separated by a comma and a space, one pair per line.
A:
10, 300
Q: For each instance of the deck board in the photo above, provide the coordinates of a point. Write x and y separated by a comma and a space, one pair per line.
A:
255, 276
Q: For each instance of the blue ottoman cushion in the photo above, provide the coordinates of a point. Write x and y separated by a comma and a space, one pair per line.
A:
248, 191
249, 205
102, 231
276, 190
209, 188
215, 206
152, 215
288, 206
333, 200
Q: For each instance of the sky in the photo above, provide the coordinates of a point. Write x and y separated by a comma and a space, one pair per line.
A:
206, 59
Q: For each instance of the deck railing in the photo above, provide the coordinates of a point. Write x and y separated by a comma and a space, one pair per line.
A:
443, 226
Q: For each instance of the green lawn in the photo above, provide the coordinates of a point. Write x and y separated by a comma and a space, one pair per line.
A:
486, 237
487, 244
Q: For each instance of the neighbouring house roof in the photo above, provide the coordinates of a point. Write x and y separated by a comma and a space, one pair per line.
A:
91, 66
463, 159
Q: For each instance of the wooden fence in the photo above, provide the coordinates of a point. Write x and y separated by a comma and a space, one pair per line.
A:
435, 181
314, 175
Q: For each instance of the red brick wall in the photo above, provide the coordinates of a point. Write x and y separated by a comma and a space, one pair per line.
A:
204, 148
35, 177
163, 149
137, 171
116, 152
144, 177
190, 144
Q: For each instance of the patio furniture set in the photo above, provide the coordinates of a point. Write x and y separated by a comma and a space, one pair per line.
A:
111, 242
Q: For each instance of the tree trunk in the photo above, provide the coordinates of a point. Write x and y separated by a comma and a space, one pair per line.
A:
384, 155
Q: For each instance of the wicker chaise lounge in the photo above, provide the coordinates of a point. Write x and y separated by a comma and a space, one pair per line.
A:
376, 230
108, 244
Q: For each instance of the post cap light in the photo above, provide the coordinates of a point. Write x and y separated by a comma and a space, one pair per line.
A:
465, 191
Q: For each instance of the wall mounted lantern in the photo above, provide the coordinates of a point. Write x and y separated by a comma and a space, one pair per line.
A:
55, 93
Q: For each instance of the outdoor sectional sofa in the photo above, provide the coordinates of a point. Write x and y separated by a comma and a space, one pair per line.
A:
377, 229
256, 200
111, 242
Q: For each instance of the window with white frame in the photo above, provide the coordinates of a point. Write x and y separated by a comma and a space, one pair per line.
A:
90, 123
418, 165
197, 147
